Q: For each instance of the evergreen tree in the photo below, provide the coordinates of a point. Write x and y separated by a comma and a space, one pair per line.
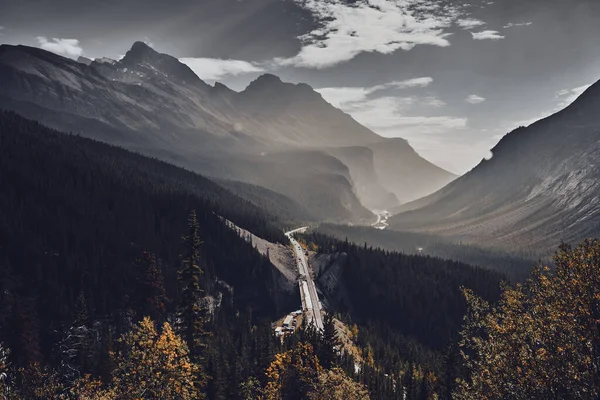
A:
152, 296
28, 333
6, 373
329, 343
452, 371
192, 310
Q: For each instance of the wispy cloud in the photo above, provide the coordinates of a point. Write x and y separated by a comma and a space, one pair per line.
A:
441, 123
469, 23
487, 35
568, 96
433, 102
372, 26
474, 99
216, 69
65, 47
511, 24
387, 114
345, 96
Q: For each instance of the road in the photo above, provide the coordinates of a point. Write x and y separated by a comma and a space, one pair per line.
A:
308, 291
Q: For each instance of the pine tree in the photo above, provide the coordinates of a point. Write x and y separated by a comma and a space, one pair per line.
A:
192, 313
329, 343
28, 333
410, 382
152, 296
6, 373
75, 348
452, 371
81, 310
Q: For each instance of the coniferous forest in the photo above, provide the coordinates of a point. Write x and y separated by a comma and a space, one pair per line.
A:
120, 280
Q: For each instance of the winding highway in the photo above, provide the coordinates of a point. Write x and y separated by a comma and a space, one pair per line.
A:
308, 291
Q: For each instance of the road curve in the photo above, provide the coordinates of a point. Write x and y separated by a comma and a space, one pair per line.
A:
308, 291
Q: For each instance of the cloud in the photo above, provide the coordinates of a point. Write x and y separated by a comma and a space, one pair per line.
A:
469, 23
344, 96
492, 35
216, 69
65, 47
370, 26
511, 25
443, 123
568, 96
433, 102
386, 115
474, 99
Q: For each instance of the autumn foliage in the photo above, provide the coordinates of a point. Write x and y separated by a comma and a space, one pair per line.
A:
297, 374
542, 341
154, 365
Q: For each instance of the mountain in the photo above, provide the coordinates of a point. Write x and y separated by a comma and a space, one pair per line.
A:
402, 171
151, 103
361, 164
540, 188
84, 60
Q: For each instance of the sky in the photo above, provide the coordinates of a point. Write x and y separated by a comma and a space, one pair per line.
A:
451, 77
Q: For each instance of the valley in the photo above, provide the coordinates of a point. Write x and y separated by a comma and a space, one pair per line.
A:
200, 223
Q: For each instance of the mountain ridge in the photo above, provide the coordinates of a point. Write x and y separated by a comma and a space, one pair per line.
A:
152, 103
539, 188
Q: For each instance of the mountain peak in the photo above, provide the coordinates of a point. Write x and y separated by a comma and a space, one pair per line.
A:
139, 52
264, 81
272, 85
142, 56
142, 48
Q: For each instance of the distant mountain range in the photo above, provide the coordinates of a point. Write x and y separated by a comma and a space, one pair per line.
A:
278, 135
541, 187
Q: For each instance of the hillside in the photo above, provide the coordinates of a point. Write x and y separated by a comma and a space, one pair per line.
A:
77, 213
516, 266
540, 188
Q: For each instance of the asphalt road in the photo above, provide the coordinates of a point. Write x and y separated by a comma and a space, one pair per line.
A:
312, 307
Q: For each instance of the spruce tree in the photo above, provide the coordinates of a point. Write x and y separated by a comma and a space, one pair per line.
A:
151, 293
192, 312
329, 342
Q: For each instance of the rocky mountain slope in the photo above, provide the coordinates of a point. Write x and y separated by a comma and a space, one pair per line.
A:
541, 187
152, 103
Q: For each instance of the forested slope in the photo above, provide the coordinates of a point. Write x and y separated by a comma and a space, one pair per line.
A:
515, 265
409, 307
77, 213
